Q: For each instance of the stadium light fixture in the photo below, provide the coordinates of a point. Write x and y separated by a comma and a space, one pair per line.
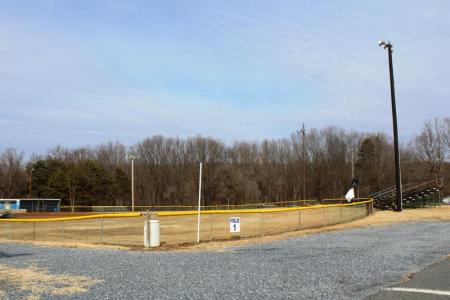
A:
398, 184
132, 158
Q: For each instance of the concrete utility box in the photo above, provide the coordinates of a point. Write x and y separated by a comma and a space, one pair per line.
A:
151, 233
154, 233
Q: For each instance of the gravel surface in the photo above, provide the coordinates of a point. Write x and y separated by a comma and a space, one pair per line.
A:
347, 264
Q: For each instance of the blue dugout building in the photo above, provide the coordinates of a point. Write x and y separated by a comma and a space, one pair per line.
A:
32, 205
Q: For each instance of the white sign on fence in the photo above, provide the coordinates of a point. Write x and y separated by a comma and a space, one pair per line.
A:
235, 224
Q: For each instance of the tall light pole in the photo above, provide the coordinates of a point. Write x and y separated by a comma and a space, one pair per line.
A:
398, 184
302, 132
132, 158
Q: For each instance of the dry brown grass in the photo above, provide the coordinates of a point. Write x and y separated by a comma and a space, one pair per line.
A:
36, 282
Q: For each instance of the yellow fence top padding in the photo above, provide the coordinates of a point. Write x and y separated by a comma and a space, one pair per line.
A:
96, 216
190, 212
256, 210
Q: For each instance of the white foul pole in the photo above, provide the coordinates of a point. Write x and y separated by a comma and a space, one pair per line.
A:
132, 158
132, 184
199, 203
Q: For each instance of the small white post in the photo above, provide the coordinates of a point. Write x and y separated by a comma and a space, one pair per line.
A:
199, 203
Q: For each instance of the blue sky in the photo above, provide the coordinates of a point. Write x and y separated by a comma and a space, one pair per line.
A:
83, 72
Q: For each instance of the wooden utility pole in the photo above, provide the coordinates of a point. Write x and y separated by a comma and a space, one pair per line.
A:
302, 132
353, 164
30, 183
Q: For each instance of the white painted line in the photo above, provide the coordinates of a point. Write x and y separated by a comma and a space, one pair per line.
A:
423, 291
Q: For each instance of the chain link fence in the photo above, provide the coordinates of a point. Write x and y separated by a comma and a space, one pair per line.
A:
92, 229
180, 227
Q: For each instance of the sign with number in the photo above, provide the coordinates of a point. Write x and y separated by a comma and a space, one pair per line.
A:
235, 224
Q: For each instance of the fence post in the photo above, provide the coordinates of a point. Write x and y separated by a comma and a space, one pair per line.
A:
34, 230
62, 230
262, 224
211, 227
101, 231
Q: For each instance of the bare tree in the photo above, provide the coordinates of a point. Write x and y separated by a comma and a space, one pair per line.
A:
12, 174
243, 172
111, 155
431, 145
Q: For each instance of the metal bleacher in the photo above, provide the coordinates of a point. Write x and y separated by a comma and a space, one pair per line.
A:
414, 195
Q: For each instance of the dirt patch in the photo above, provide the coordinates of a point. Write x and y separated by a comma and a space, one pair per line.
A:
36, 282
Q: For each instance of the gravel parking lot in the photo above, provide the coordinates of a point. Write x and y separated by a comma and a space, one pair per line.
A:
349, 264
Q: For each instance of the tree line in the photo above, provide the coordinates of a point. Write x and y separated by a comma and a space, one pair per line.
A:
166, 168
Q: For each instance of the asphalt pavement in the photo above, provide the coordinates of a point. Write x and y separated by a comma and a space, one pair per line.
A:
431, 283
350, 264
